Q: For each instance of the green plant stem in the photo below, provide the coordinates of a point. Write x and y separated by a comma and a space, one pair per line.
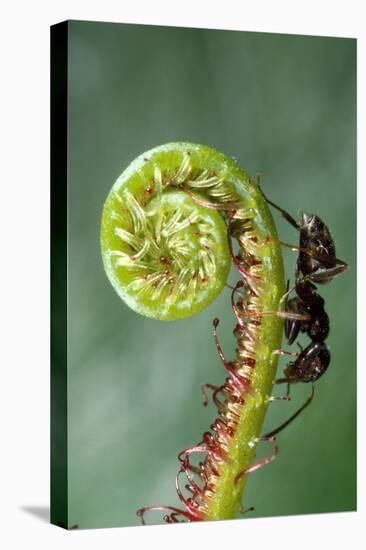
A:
178, 168
227, 497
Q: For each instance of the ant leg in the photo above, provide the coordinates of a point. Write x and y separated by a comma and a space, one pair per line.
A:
273, 433
260, 463
341, 266
286, 397
284, 213
242, 511
326, 273
258, 314
282, 314
245, 314
279, 398
287, 293
285, 352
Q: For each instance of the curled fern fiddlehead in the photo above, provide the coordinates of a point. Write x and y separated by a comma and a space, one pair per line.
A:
169, 228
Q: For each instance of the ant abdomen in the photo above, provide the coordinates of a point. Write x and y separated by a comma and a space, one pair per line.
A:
310, 365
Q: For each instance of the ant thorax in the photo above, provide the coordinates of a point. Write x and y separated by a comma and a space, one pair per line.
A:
310, 303
308, 294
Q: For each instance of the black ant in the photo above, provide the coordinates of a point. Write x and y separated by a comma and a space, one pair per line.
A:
316, 263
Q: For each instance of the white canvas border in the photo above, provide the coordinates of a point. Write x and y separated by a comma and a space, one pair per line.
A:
25, 269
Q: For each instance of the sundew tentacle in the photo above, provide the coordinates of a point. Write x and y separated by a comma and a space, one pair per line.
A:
174, 223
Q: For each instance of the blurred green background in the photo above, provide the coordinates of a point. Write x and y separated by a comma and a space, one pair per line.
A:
282, 105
